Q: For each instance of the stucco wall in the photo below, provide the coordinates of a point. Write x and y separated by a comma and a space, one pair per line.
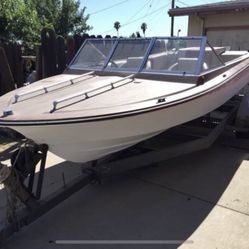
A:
229, 19
195, 25
230, 29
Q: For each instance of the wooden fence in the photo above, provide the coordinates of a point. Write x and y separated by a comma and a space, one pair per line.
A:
11, 67
52, 57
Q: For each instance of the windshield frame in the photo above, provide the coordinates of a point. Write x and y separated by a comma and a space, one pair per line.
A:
141, 68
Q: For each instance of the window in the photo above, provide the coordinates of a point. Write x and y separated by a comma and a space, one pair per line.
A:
93, 54
129, 54
179, 55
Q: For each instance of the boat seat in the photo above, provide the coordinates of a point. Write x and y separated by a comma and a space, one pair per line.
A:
231, 55
133, 62
187, 65
162, 61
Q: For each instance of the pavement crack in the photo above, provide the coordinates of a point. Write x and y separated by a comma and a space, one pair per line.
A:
188, 195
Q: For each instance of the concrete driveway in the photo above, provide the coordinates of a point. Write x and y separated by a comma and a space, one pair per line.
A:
202, 198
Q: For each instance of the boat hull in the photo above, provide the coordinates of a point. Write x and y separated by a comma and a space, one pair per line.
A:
85, 141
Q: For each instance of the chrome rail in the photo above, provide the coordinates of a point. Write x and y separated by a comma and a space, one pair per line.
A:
45, 88
92, 93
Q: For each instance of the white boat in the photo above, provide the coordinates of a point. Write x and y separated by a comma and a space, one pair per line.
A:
118, 92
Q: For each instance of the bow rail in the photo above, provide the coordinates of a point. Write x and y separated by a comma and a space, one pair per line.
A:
89, 94
45, 88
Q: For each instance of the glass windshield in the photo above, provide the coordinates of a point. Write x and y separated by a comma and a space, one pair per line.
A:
212, 57
129, 54
167, 55
174, 55
93, 54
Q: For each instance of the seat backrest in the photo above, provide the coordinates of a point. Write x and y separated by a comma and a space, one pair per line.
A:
162, 61
133, 62
187, 65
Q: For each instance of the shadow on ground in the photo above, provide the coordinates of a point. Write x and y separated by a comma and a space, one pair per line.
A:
164, 202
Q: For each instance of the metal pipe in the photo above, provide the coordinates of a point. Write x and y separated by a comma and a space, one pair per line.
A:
172, 19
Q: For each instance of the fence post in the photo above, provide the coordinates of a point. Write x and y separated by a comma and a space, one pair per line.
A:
39, 69
70, 49
14, 57
48, 47
61, 54
18, 72
78, 40
6, 78
84, 37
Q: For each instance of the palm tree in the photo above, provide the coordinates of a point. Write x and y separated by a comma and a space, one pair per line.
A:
144, 27
117, 26
138, 34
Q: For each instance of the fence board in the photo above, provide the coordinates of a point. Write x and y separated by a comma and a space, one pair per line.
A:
39, 69
70, 49
6, 77
60, 54
48, 39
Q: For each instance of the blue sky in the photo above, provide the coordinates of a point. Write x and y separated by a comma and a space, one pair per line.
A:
132, 13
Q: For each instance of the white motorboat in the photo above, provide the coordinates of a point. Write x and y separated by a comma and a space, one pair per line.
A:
118, 92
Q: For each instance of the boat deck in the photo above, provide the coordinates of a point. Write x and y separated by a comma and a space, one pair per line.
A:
91, 96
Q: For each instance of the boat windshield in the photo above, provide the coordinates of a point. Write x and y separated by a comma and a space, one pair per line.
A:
93, 54
128, 55
174, 55
167, 55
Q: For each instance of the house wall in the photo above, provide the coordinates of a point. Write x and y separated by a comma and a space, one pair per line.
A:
227, 29
195, 25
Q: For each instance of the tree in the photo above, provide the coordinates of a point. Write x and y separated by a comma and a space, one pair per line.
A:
47, 11
135, 35
65, 16
144, 27
19, 21
23, 20
117, 26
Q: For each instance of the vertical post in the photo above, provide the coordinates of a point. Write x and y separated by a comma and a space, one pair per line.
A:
172, 18
18, 73
48, 47
78, 41
39, 59
70, 49
43, 149
60, 54
6, 78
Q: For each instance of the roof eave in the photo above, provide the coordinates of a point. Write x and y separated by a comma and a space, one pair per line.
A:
207, 9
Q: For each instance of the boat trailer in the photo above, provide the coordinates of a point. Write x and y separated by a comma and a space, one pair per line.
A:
19, 179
